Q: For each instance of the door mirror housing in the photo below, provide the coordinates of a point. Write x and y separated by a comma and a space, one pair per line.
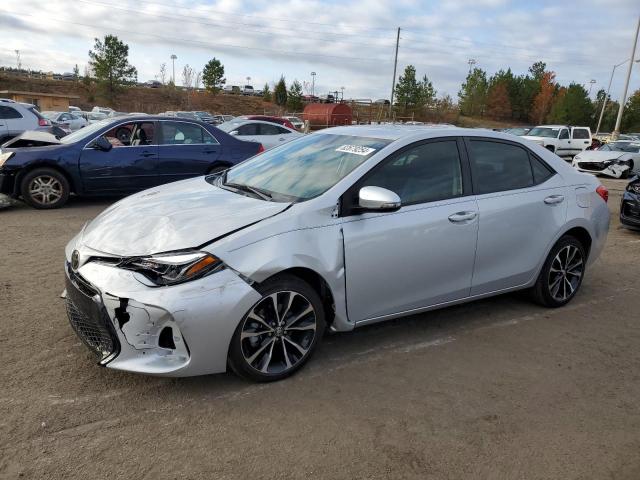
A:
235, 133
103, 144
378, 199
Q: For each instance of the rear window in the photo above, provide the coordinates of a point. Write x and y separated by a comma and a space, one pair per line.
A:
497, 167
7, 113
581, 133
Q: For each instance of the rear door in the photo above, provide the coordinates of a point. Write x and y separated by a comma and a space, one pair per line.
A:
271, 135
522, 206
565, 148
580, 139
186, 150
131, 165
5, 114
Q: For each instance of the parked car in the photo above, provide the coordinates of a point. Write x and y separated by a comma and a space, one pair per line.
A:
382, 101
630, 205
339, 229
518, 131
268, 134
16, 118
228, 118
247, 90
105, 110
232, 89
153, 84
66, 119
73, 109
295, 122
563, 140
258, 93
270, 118
205, 117
613, 159
92, 161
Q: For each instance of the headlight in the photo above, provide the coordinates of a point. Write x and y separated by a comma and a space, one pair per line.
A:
634, 187
577, 157
5, 156
173, 268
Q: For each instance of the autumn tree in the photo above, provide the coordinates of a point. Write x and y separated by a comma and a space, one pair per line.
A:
213, 75
498, 103
544, 99
472, 96
280, 92
109, 61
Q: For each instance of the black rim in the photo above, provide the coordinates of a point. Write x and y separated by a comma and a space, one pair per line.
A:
278, 332
565, 273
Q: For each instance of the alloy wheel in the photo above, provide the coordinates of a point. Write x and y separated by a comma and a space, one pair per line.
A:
565, 273
45, 189
278, 332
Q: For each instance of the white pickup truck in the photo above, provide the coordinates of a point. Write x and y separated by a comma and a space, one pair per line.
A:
564, 140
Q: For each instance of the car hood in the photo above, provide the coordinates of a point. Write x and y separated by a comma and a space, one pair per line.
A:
597, 156
176, 216
32, 138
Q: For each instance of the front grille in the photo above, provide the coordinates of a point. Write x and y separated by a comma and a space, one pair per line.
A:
592, 165
89, 319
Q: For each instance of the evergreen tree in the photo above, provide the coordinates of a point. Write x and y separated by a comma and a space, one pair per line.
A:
280, 92
266, 93
473, 93
109, 61
294, 97
213, 75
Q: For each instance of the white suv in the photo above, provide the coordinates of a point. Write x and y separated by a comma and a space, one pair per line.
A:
563, 140
16, 118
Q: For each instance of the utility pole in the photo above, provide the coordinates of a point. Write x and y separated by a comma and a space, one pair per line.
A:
606, 97
313, 83
173, 63
591, 82
471, 62
395, 66
616, 131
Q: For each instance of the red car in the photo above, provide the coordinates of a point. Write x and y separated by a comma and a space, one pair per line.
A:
268, 118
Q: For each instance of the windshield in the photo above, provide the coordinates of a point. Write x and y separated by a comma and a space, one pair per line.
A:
622, 147
544, 132
85, 132
307, 167
50, 115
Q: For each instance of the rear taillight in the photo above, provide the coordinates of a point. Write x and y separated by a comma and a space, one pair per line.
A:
260, 149
43, 122
603, 192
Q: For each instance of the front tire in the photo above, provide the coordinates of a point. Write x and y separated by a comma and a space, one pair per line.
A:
45, 188
278, 334
562, 273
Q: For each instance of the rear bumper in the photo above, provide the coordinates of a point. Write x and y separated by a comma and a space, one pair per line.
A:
630, 209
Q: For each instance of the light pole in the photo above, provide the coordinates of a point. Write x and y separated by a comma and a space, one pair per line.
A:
313, 84
249, 81
173, 64
342, 93
606, 97
616, 130
471, 62
591, 82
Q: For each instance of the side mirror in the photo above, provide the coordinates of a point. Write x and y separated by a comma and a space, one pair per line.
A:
103, 144
235, 133
378, 199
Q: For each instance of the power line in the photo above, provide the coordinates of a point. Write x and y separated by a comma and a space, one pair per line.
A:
207, 44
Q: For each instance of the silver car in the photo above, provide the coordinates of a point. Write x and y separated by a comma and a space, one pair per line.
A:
338, 229
269, 134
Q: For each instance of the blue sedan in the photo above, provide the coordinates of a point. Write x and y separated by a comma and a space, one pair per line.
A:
116, 157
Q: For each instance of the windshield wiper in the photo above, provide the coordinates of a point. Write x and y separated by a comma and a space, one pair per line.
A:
263, 194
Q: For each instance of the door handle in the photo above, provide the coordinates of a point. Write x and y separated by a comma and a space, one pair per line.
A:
281, 139
553, 199
462, 217
147, 154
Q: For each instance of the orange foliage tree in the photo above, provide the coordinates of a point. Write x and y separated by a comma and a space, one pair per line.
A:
544, 99
498, 103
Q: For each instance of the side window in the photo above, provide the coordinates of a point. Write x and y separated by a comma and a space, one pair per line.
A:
7, 113
248, 129
581, 133
282, 131
424, 173
144, 134
497, 167
564, 134
120, 136
267, 129
182, 133
541, 172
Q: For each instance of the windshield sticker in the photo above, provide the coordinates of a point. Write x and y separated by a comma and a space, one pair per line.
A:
356, 149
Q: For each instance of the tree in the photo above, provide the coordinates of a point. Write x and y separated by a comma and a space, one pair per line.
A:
427, 94
187, 81
266, 93
498, 103
162, 74
631, 114
213, 75
197, 80
280, 92
572, 106
538, 69
294, 97
76, 72
473, 93
109, 61
407, 90
544, 99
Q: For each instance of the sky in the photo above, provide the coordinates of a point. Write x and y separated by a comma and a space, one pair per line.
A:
348, 43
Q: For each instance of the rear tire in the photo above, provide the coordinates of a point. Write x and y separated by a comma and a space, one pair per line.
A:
562, 273
45, 188
278, 334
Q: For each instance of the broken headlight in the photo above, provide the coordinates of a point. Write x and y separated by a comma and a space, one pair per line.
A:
634, 187
173, 268
5, 156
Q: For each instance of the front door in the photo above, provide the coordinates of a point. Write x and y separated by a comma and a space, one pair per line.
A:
580, 139
186, 150
564, 143
522, 207
422, 254
131, 165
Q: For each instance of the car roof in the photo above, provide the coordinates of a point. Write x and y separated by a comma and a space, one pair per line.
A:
394, 132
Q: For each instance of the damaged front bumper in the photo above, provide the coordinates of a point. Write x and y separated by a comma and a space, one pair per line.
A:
180, 330
613, 170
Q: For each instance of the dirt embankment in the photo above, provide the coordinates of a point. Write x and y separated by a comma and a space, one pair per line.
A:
142, 99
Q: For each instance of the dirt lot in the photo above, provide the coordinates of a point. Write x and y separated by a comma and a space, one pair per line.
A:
495, 389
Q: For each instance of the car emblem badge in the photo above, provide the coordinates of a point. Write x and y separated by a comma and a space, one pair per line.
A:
75, 260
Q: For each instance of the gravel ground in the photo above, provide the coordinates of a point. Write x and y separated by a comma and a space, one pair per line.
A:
500, 388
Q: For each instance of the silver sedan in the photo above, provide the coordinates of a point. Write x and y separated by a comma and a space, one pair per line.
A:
342, 228
269, 134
